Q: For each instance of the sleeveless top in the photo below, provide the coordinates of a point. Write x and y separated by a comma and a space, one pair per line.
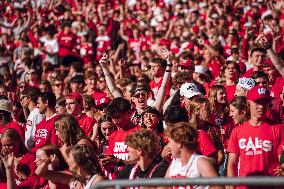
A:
74, 183
190, 170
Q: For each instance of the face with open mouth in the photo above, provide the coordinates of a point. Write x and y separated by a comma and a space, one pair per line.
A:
140, 99
151, 121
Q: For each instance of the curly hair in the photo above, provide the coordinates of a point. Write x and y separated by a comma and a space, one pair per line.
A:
145, 140
184, 134
84, 157
69, 129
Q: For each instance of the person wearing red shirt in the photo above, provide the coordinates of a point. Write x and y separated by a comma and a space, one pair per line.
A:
231, 72
6, 121
102, 41
257, 57
120, 111
91, 88
158, 68
67, 43
45, 131
85, 50
74, 106
255, 145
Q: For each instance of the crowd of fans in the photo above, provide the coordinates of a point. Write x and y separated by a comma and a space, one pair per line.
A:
94, 90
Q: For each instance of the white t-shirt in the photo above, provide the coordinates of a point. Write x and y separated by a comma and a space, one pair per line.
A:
190, 170
34, 118
51, 46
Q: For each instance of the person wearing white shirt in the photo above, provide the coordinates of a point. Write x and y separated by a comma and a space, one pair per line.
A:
28, 99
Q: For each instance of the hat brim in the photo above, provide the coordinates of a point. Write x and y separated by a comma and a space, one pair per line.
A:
192, 94
262, 98
10, 111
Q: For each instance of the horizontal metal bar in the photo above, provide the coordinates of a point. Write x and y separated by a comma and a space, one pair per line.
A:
261, 181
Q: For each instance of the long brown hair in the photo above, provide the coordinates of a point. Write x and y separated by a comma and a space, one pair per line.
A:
83, 155
212, 97
195, 106
69, 129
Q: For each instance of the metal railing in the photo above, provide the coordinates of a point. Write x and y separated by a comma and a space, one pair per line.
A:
252, 181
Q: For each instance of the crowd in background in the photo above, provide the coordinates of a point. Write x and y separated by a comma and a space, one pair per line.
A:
94, 90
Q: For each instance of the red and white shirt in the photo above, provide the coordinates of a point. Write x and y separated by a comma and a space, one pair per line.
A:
258, 148
103, 44
45, 132
190, 170
117, 146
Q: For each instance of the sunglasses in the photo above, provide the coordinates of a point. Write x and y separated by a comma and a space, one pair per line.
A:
140, 95
101, 107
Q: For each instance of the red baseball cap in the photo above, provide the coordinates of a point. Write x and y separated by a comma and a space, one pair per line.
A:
268, 63
102, 101
76, 96
186, 63
258, 92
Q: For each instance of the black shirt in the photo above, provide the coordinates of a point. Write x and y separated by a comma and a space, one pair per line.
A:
157, 171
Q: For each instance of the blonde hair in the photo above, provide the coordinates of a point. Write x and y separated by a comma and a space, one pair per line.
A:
195, 106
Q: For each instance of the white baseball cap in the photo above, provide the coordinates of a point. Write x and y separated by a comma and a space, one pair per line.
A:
6, 105
189, 90
200, 69
246, 83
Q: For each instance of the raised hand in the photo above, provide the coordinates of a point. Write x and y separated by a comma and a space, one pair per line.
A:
8, 161
103, 61
263, 41
165, 54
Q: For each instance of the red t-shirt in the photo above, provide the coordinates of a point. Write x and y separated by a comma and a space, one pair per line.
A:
230, 92
248, 73
98, 95
156, 86
103, 44
86, 123
67, 42
13, 125
45, 132
117, 147
86, 52
258, 148
215, 68
205, 144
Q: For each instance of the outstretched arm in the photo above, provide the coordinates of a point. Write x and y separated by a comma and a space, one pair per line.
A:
162, 90
109, 80
267, 44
